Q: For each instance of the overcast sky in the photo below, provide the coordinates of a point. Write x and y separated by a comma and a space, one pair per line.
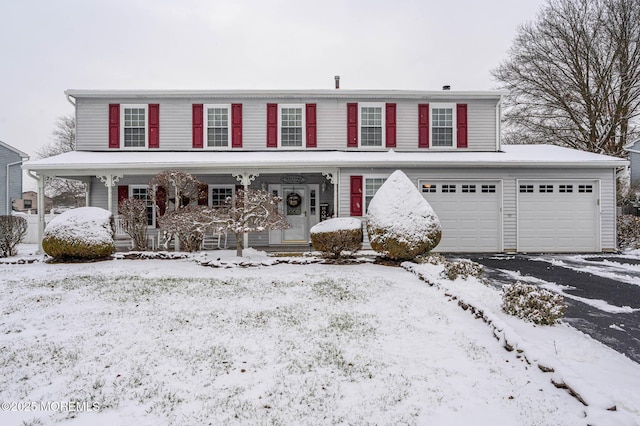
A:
48, 46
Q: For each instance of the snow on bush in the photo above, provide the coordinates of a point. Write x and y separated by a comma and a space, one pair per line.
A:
134, 217
82, 233
12, 231
334, 236
532, 303
400, 222
629, 232
463, 269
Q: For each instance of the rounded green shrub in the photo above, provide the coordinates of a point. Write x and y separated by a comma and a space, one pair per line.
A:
334, 236
84, 233
400, 222
532, 303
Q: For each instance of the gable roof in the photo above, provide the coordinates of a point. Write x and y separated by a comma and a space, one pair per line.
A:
285, 94
17, 151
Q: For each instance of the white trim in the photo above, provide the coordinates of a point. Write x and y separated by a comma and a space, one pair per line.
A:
289, 94
123, 107
205, 122
304, 126
454, 126
383, 124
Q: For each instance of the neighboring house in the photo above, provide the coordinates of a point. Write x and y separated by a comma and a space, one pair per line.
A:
326, 152
29, 202
634, 158
10, 175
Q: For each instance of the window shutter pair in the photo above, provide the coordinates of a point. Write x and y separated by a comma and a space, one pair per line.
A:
461, 126
197, 124
153, 125
272, 125
352, 125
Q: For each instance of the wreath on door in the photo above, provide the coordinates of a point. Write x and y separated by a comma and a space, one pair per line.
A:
294, 199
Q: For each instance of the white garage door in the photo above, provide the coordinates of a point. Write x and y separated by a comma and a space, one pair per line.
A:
558, 216
469, 212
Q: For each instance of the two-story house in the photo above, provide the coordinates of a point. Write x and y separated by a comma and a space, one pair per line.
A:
326, 152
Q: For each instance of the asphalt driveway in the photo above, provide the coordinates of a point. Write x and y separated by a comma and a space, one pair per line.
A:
602, 292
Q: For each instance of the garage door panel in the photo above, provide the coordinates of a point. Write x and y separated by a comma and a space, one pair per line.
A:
558, 216
470, 220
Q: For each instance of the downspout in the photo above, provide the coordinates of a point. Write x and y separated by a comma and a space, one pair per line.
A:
498, 123
8, 208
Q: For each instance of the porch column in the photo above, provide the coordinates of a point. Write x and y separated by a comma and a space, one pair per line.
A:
110, 181
41, 207
333, 177
87, 192
245, 179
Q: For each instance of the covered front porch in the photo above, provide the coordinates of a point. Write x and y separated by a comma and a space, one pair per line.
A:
308, 198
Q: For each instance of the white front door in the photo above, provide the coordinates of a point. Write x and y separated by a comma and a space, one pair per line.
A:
295, 206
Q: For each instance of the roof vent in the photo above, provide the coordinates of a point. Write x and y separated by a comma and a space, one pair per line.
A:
337, 77
446, 87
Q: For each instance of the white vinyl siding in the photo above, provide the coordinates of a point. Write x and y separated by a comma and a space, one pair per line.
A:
176, 122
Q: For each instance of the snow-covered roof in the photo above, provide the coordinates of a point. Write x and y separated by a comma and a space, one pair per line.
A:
275, 94
631, 146
143, 162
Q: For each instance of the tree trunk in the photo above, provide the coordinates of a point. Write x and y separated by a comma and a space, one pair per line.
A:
239, 238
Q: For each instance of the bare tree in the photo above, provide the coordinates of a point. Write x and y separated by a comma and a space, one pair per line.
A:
251, 211
63, 140
134, 216
573, 76
179, 189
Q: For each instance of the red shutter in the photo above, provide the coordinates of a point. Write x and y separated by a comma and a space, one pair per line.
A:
311, 126
203, 194
114, 125
236, 125
461, 116
390, 115
123, 194
352, 125
161, 201
423, 126
198, 129
272, 125
154, 126
356, 195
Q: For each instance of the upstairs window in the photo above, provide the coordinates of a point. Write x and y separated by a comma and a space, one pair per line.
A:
134, 126
442, 125
291, 125
371, 119
217, 121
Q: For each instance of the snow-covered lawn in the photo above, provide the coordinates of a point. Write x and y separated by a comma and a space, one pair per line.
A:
173, 342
